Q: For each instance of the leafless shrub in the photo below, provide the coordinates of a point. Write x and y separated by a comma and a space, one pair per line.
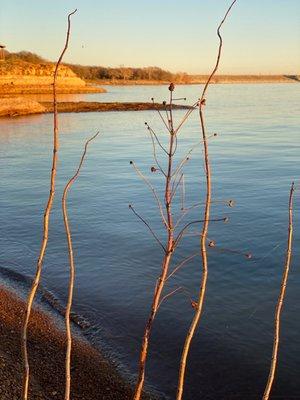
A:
174, 182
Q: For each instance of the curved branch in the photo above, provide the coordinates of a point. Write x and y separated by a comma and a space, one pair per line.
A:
180, 234
156, 137
39, 266
186, 116
281, 299
202, 289
175, 185
219, 52
153, 191
72, 271
160, 114
155, 155
181, 264
168, 295
149, 227
186, 157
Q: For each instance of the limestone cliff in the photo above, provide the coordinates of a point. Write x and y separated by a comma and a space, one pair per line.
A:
18, 76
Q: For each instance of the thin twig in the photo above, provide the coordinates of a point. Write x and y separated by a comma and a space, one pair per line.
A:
175, 185
155, 154
281, 297
182, 196
72, 272
187, 115
181, 264
39, 266
168, 295
160, 114
153, 191
156, 137
180, 234
186, 157
148, 226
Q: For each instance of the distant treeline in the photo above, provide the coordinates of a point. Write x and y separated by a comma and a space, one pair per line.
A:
127, 73
107, 73
25, 56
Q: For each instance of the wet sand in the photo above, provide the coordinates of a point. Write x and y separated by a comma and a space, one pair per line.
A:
93, 377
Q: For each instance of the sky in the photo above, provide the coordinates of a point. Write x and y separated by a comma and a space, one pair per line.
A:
260, 36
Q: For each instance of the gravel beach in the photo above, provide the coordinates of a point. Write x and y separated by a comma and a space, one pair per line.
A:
93, 377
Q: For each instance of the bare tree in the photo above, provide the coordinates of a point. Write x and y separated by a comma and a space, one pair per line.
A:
281, 299
36, 281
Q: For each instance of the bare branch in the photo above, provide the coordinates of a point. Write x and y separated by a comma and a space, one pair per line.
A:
181, 264
281, 297
154, 193
176, 144
155, 155
156, 137
169, 295
219, 53
149, 227
176, 184
160, 114
72, 271
186, 157
186, 116
182, 193
229, 203
180, 234
39, 266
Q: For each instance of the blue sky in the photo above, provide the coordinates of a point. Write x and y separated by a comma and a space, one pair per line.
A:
260, 36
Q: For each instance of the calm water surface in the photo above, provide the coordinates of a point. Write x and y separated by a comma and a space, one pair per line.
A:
254, 159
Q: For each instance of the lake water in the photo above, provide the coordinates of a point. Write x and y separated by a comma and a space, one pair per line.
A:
254, 158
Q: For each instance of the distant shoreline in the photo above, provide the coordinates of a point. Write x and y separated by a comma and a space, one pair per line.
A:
202, 79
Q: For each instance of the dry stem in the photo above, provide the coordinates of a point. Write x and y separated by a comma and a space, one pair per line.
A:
202, 291
281, 299
72, 272
157, 296
36, 281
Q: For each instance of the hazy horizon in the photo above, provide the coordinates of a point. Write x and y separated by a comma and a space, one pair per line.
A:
261, 38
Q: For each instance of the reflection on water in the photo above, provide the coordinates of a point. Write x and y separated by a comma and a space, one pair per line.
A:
254, 159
